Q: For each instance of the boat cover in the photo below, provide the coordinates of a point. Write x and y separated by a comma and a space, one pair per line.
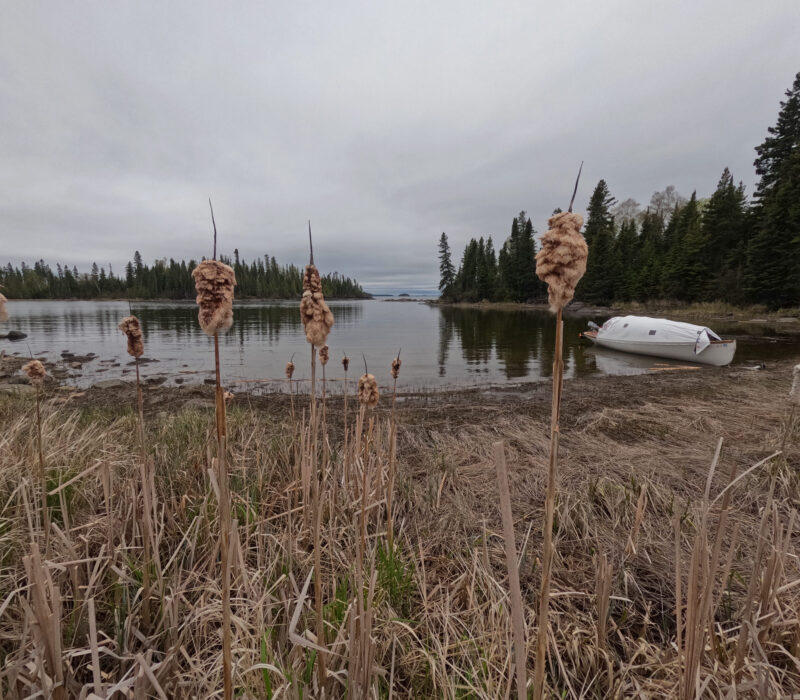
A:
641, 329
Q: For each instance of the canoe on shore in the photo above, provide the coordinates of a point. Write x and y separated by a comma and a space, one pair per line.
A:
660, 337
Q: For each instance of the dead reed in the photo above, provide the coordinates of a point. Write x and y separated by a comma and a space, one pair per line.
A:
560, 263
433, 620
36, 374
3, 309
215, 283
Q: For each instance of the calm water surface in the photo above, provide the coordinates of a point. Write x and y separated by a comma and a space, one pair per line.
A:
441, 347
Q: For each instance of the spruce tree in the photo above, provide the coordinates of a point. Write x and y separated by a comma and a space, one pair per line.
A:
773, 255
447, 272
597, 285
725, 219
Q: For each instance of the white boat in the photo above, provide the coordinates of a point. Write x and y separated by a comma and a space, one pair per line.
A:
661, 337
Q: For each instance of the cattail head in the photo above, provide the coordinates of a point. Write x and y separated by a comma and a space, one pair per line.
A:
561, 261
131, 327
35, 371
324, 355
396, 362
794, 394
214, 282
368, 390
314, 312
289, 369
3, 311
345, 362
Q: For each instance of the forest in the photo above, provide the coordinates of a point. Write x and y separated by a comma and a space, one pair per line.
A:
261, 278
726, 247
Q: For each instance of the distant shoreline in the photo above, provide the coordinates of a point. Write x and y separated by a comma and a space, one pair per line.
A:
686, 312
185, 301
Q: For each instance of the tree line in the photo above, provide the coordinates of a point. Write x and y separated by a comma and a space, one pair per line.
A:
261, 278
725, 247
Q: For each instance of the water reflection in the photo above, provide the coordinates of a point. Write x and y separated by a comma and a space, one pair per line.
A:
522, 343
442, 346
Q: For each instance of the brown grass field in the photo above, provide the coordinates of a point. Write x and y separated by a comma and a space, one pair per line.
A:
667, 582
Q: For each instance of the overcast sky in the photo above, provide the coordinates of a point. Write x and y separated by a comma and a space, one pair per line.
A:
384, 123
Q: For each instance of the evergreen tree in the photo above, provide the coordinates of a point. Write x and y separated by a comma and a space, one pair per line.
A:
447, 272
773, 254
597, 285
725, 220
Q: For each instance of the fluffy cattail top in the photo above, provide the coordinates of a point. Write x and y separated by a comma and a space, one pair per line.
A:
396, 362
3, 312
35, 371
289, 369
368, 390
345, 362
561, 261
794, 394
214, 282
324, 355
314, 312
130, 326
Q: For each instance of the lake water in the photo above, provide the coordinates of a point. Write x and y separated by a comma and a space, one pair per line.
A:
441, 347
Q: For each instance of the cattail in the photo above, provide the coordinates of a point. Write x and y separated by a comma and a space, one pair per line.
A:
324, 355
368, 390
396, 362
131, 327
561, 261
794, 394
214, 282
289, 370
3, 311
314, 312
35, 371
346, 362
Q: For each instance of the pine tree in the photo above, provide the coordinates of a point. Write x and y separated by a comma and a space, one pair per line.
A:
773, 255
597, 285
447, 272
725, 219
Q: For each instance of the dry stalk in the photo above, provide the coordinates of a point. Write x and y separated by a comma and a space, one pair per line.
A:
36, 374
517, 611
131, 327
560, 263
396, 363
215, 282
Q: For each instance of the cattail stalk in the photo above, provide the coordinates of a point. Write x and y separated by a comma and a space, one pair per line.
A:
317, 320
215, 282
560, 263
36, 373
396, 363
131, 327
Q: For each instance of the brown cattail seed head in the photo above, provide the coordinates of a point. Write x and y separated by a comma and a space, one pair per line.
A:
3, 311
561, 261
130, 326
396, 362
324, 355
35, 371
794, 394
214, 282
314, 312
345, 362
289, 369
368, 390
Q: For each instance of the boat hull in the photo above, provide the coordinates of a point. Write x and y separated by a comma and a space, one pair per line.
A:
717, 354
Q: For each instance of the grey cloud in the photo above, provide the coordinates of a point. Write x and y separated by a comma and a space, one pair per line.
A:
385, 125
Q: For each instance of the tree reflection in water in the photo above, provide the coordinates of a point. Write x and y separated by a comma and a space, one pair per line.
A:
520, 341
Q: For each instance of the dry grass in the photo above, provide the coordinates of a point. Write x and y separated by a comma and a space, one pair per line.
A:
430, 616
